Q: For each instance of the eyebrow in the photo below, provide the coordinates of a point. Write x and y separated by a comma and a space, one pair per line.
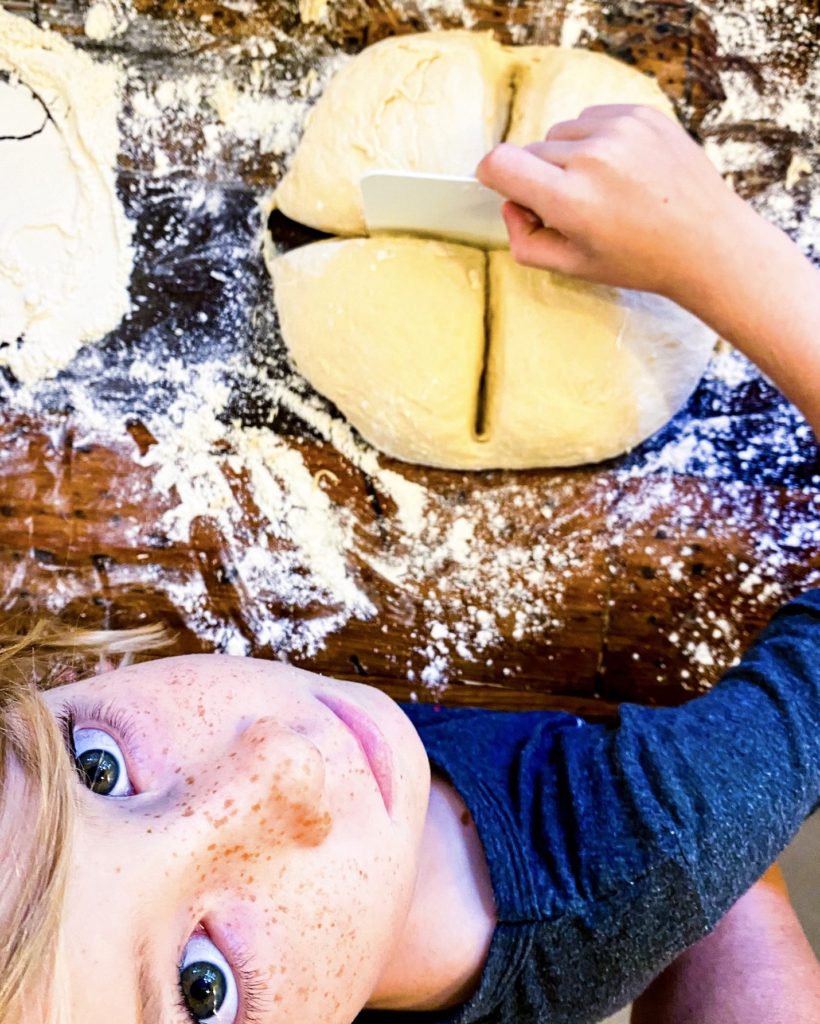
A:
150, 991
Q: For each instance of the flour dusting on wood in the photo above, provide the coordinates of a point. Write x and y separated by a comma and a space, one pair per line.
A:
234, 443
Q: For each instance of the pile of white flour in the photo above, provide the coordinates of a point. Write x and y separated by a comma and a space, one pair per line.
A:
65, 256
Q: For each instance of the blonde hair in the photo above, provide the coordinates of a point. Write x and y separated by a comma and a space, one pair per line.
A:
34, 868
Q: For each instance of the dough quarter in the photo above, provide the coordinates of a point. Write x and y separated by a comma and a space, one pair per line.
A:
435, 102
554, 84
579, 372
391, 330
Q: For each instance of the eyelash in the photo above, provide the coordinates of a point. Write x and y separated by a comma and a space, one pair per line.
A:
247, 981
123, 726
113, 720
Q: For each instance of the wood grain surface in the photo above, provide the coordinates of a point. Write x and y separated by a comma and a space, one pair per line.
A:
81, 525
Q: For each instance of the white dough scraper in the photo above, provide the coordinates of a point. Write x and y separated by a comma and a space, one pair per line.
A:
434, 205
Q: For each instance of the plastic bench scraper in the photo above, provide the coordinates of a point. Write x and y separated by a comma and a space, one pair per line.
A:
434, 205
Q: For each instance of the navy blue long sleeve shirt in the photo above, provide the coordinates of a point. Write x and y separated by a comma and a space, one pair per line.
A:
613, 848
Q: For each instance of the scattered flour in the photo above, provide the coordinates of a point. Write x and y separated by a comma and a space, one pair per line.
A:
107, 19
312, 10
297, 551
485, 557
431, 13
230, 111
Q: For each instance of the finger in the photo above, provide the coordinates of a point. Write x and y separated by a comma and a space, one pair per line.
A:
520, 176
590, 120
571, 131
520, 214
533, 245
558, 153
604, 111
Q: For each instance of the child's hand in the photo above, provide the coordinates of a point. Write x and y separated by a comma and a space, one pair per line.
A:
629, 200
632, 201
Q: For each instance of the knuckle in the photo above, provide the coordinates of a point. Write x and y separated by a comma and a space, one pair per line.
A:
537, 148
628, 124
557, 130
625, 124
519, 249
597, 151
642, 112
639, 118
591, 111
582, 215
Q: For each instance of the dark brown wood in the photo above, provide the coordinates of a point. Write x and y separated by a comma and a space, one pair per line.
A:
79, 522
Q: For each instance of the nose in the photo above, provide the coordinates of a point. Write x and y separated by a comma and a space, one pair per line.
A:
266, 789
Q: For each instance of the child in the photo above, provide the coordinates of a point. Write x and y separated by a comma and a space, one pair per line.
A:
253, 843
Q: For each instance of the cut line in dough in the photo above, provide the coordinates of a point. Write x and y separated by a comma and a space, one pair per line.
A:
404, 373
480, 432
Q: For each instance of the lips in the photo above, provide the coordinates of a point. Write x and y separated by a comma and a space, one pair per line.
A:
370, 738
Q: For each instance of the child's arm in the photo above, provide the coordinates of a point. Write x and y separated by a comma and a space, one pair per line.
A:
757, 967
633, 202
652, 829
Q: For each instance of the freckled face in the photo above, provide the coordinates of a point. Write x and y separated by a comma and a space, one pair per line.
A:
262, 854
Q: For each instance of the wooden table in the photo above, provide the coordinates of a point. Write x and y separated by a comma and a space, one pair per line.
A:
657, 599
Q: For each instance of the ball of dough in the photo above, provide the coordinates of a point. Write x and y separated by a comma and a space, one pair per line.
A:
441, 354
554, 84
392, 331
435, 102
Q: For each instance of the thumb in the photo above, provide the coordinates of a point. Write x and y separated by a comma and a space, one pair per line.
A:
534, 245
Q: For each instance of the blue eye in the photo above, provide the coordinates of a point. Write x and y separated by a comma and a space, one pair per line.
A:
100, 763
207, 985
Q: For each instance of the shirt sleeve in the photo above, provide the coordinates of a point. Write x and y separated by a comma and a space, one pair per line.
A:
650, 830
733, 774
